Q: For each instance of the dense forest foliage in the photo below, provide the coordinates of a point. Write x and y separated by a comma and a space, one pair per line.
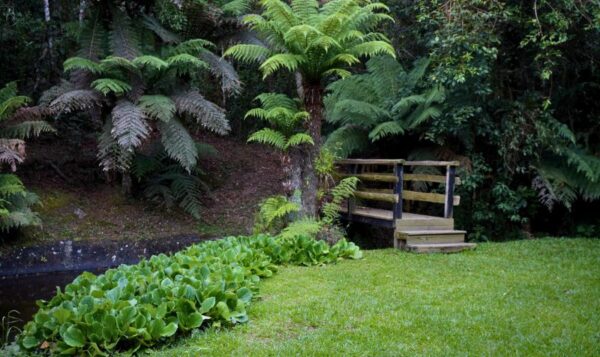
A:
508, 88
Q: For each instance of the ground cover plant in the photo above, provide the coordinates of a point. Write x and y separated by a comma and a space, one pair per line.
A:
135, 306
534, 297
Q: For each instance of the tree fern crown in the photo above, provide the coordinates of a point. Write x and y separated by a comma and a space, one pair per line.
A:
316, 40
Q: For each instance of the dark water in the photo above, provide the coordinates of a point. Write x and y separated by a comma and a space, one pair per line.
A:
33, 273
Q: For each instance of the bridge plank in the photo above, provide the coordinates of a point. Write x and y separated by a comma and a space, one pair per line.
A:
428, 197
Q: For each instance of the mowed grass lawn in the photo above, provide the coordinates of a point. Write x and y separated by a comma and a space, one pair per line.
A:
537, 297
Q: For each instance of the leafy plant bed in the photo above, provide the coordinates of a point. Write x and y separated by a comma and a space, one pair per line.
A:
33, 273
534, 297
135, 306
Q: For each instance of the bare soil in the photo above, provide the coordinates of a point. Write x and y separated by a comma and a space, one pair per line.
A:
79, 205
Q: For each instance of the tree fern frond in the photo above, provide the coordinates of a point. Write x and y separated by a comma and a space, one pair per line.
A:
157, 107
112, 156
372, 48
298, 139
129, 126
195, 46
305, 227
151, 62
12, 152
78, 63
205, 112
347, 140
111, 85
92, 38
230, 81
10, 105
281, 60
388, 128
236, 7
248, 53
178, 143
27, 129
186, 189
342, 191
269, 137
54, 92
77, 100
123, 38
186, 63
155, 26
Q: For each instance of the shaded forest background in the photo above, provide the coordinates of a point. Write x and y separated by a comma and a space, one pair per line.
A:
512, 89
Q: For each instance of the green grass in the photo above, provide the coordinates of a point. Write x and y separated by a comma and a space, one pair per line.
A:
538, 297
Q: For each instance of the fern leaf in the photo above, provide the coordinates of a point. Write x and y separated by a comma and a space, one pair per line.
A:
248, 53
298, 139
270, 137
27, 129
123, 38
112, 156
157, 107
205, 112
281, 60
178, 143
129, 125
111, 85
77, 100
388, 128
230, 81
84, 64
10, 105
165, 35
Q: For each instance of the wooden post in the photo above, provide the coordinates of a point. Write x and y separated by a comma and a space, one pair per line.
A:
399, 172
351, 201
449, 204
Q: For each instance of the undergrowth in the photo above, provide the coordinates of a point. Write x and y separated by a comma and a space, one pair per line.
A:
149, 303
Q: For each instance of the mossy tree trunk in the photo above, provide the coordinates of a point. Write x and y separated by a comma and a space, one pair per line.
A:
313, 102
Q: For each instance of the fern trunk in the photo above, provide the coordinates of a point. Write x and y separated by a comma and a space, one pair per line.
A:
313, 101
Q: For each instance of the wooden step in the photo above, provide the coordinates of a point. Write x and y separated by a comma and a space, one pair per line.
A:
376, 213
430, 236
417, 222
439, 248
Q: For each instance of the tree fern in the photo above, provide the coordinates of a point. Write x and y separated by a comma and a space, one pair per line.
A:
270, 137
129, 126
206, 113
388, 107
158, 107
342, 191
107, 86
178, 143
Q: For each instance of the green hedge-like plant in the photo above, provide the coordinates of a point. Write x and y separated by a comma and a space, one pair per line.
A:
141, 305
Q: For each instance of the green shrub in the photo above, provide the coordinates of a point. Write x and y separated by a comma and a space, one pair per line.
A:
136, 306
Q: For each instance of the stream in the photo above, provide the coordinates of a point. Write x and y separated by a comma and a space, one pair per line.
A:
33, 273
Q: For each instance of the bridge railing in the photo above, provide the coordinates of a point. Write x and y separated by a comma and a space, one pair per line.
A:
363, 169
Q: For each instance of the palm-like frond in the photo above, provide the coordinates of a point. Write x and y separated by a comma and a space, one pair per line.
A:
158, 107
26, 129
388, 105
124, 41
317, 41
129, 126
178, 143
205, 112
112, 156
84, 64
111, 85
77, 100
270, 137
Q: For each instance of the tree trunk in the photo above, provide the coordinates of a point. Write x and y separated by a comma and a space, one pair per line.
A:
313, 101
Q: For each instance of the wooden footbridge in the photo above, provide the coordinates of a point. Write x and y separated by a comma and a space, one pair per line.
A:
389, 182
